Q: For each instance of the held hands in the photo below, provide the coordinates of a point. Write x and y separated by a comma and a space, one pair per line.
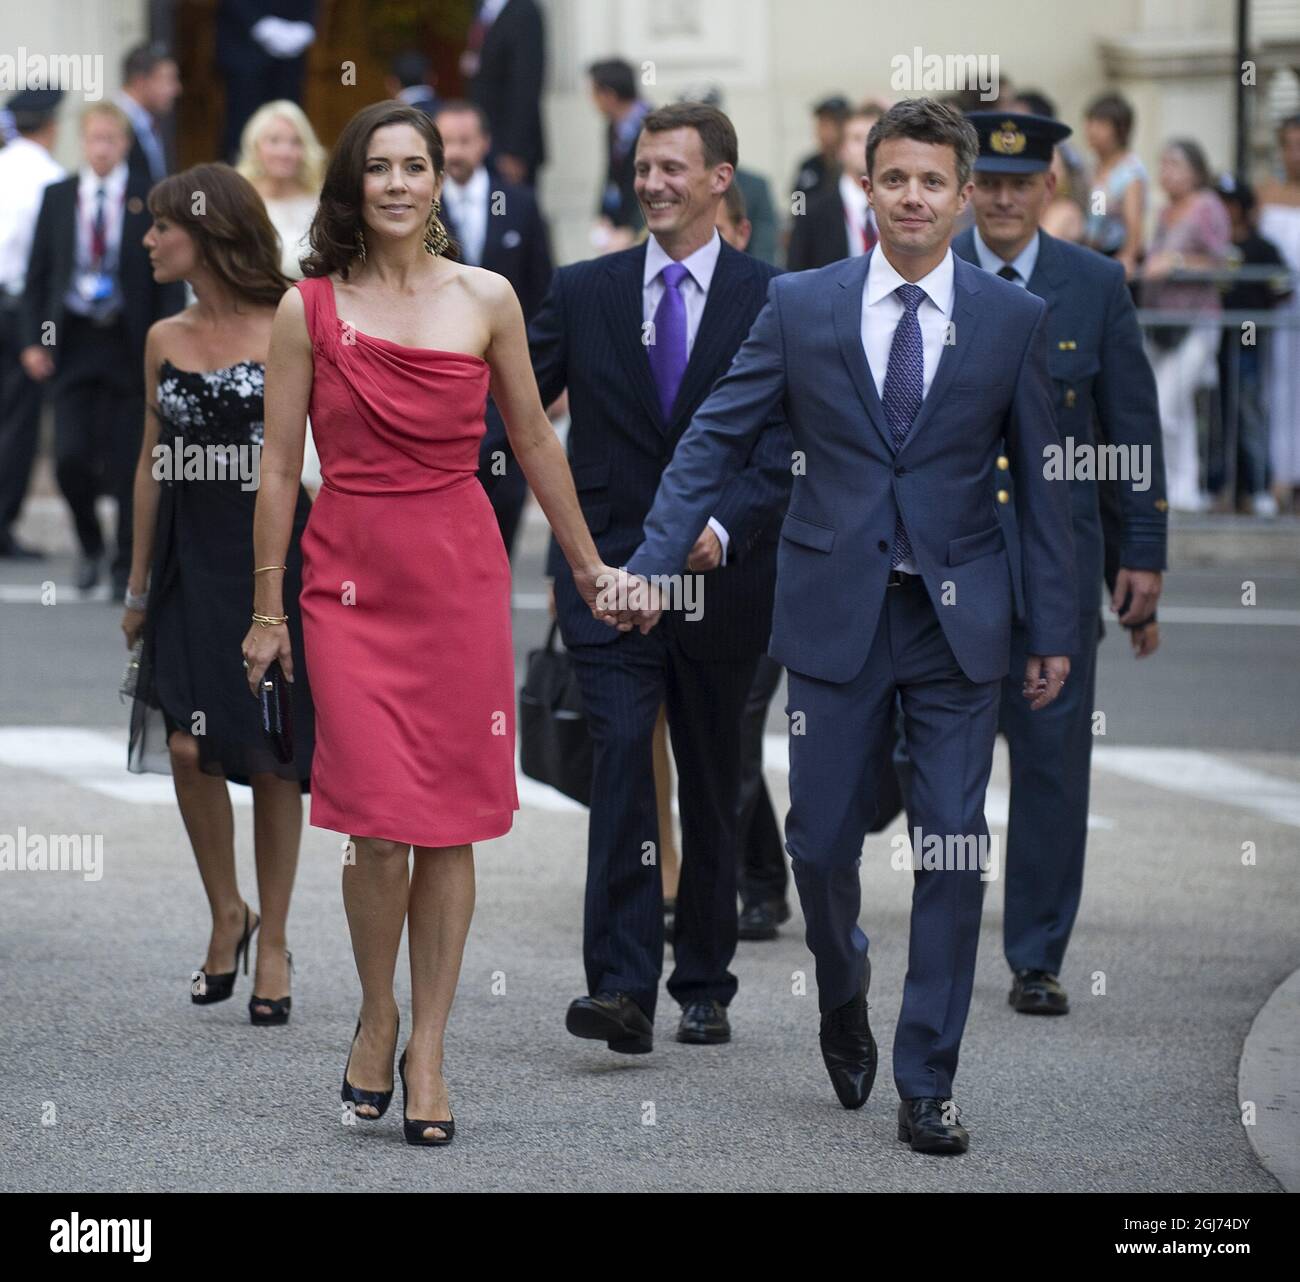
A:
1044, 679
261, 646
618, 598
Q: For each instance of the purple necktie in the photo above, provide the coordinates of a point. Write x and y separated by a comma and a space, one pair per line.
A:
667, 351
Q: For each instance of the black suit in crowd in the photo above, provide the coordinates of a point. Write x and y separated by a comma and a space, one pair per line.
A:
252, 76
508, 85
617, 199
98, 385
588, 338
818, 236
517, 246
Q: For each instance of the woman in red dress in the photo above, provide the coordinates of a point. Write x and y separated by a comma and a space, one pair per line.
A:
392, 347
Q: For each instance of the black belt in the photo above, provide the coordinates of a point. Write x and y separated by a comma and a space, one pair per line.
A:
900, 579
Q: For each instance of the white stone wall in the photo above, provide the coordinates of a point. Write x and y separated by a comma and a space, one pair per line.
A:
774, 58
103, 28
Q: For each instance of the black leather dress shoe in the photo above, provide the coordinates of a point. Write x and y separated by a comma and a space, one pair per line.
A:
88, 571
921, 1124
848, 1048
613, 1018
1037, 992
704, 1023
759, 921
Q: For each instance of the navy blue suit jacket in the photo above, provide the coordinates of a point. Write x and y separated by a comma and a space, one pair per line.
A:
588, 337
805, 353
1103, 393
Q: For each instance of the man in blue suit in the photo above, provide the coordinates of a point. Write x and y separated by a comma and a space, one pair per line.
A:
900, 373
1109, 423
638, 338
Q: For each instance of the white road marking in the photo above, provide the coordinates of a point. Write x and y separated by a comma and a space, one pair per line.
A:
96, 760
1230, 615
1207, 776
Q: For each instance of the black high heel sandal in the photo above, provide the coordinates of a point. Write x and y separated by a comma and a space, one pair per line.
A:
354, 1095
414, 1128
206, 989
279, 1012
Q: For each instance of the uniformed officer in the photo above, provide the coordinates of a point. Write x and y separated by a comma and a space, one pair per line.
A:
1109, 426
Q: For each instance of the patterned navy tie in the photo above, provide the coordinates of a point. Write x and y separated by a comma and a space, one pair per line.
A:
904, 387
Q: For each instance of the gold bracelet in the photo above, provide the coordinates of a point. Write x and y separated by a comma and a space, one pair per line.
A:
263, 569
270, 620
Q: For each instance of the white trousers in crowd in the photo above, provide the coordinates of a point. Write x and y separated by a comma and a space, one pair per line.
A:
1179, 372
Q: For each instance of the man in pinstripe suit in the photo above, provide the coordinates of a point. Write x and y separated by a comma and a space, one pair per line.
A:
638, 338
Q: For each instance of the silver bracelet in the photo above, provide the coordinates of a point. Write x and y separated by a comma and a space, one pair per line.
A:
133, 602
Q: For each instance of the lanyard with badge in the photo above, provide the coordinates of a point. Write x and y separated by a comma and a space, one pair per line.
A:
96, 285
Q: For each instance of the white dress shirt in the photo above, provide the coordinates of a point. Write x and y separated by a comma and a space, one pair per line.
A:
468, 207
26, 169
694, 290
856, 213
881, 311
88, 185
1023, 262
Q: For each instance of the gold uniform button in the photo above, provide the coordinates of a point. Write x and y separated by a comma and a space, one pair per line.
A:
1004, 497
1003, 462
1161, 505
1070, 398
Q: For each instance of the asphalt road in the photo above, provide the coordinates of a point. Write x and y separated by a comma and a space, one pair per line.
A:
114, 1081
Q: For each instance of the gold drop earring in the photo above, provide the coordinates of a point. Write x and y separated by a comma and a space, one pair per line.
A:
436, 239
361, 245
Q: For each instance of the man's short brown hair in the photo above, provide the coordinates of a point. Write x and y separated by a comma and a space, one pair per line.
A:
717, 133
925, 120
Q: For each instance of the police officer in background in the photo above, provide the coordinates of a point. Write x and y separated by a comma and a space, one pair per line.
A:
1105, 395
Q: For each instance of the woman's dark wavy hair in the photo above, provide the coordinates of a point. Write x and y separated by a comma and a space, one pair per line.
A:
334, 229
232, 233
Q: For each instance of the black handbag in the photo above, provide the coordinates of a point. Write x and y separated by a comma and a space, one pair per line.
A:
277, 712
554, 742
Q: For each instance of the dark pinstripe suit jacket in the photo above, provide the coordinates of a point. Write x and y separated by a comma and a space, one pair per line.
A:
587, 337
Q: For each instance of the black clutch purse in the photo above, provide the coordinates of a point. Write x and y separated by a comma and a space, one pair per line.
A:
277, 712
554, 742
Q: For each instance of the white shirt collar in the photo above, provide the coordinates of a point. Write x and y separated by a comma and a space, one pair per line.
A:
851, 194
883, 279
1023, 262
114, 181
474, 190
700, 264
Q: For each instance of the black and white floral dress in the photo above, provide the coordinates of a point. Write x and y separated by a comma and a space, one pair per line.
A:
191, 673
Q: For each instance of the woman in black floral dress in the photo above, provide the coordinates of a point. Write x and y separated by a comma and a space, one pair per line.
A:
190, 596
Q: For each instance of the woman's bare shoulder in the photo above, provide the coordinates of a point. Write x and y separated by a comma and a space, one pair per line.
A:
485, 287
